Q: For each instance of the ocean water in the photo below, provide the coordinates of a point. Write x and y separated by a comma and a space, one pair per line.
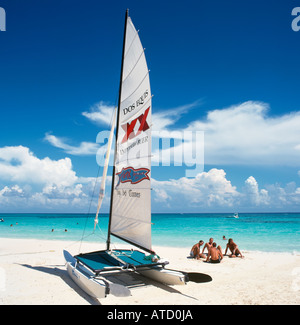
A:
267, 232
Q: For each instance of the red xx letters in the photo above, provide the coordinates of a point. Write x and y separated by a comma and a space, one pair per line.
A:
129, 127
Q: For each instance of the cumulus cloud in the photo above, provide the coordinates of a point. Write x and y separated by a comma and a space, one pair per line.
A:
19, 164
239, 134
62, 192
207, 189
253, 195
284, 196
44, 183
161, 195
12, 191
210, 191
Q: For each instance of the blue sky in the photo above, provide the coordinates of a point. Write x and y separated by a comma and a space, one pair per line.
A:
228, 68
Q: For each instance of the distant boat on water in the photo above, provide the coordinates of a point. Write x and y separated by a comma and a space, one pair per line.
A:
235, 216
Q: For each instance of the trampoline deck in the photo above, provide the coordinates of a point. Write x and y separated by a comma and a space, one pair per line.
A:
113, 260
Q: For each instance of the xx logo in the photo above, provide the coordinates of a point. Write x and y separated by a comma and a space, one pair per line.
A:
129, 127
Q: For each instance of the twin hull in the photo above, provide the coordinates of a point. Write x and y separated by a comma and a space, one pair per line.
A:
100, 287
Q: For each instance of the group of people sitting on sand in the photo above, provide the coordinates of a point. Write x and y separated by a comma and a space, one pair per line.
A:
214, 254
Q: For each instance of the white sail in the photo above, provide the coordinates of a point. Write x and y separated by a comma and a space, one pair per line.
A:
130, 209
103, 180
131, 204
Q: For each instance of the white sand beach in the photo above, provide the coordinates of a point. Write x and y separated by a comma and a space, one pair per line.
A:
33, 272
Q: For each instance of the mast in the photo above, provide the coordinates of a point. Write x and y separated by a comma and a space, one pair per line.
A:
117, 132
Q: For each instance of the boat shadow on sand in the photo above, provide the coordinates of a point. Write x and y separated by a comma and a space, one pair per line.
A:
131, 280
55, 270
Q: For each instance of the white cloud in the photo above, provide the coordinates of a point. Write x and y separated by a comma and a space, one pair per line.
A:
242, 134
62, 192
161, 195
211, 191
245, 134
207, 189
12, 191
43, 184
85, 148
253, 195
19, 164
100, 113
287, 196
164, 119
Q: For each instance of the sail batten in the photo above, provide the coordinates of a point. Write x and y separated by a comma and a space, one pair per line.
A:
133, 219
128, 48
129, 73
137, 88
130, 217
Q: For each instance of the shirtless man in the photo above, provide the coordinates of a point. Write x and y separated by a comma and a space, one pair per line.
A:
195, 251
215, 254
235, 252
208, 245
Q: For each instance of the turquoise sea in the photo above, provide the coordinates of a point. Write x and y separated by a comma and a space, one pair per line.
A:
268, 232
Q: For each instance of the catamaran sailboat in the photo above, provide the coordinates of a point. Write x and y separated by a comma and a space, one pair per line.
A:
130, 206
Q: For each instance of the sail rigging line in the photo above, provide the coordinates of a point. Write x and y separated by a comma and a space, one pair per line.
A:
90, 205
89, 209
104, 236
112, 121
78, 241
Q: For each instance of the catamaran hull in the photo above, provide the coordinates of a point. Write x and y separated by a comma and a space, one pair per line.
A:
96, 288
166, 276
